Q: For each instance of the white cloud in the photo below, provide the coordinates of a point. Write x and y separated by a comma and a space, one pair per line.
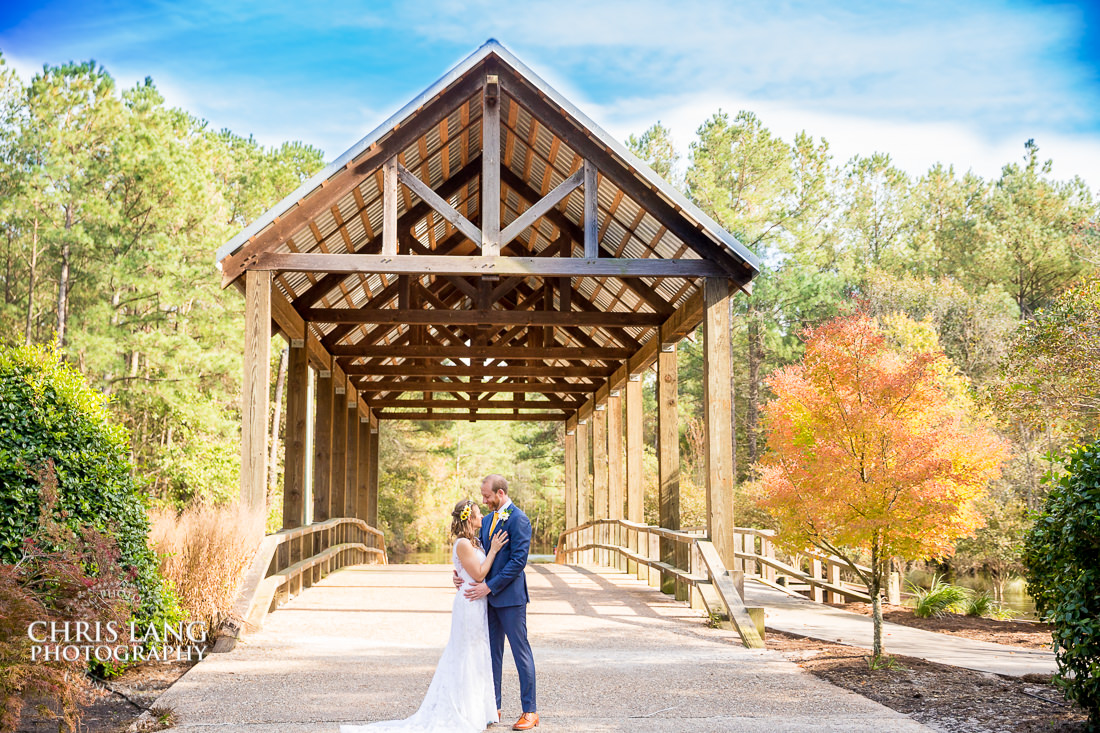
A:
913, 146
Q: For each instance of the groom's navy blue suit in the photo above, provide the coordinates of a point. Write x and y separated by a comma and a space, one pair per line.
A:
508, 600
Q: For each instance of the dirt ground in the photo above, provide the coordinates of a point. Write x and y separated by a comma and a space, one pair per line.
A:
1030, 634
946, 698
117, 703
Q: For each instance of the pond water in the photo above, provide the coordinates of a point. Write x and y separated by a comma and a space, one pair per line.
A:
443, 556
1015, 591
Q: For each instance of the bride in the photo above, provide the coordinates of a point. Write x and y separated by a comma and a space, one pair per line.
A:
460, 697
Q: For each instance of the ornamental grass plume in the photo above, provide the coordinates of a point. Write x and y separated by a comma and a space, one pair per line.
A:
203, 552
870, 453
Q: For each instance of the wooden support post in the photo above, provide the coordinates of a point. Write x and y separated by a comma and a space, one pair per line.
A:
668, 456
490, 167
389, 207
615, 469
583, 481
816, 592
570, 478
635, 491
833, 570
294, 460
322, 448
254, 398
599, 473
372, 484
717, 417
591, 213
362, 474
339, 450
351, 456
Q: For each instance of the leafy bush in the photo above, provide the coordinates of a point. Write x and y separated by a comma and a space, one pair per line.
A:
939, 599
49, 414
1062, 555
203, 553
61, 575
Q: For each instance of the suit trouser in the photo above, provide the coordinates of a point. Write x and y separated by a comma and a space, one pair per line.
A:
511, 622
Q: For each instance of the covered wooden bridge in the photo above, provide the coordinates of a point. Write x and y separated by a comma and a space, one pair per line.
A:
488, 253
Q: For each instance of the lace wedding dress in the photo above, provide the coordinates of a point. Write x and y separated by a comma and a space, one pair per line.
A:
460, 697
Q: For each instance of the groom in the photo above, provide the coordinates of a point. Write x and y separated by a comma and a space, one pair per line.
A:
506, 587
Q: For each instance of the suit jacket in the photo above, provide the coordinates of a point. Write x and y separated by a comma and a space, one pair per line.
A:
506, 580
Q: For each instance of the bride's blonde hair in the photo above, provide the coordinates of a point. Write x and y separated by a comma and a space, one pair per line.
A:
464, 526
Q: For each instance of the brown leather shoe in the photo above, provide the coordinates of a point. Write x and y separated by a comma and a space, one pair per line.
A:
527, 721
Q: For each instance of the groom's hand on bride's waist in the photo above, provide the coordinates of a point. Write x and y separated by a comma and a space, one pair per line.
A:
478, 590
458, 580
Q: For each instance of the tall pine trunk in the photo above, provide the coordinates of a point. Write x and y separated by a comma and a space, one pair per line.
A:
280, 383
63, 281
31, 281
756, 358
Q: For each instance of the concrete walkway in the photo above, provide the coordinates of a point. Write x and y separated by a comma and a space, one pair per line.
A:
611, 654
818, 621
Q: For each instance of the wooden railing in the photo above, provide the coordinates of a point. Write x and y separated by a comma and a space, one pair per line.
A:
691, 567
286, 562
810, 574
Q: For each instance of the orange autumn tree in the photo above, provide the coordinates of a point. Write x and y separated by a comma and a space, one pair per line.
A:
871, 453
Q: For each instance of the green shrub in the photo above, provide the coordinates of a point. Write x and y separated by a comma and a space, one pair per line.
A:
49, 413
938, 600
1062, 555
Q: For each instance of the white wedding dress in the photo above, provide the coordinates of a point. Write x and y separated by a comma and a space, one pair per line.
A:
461, 696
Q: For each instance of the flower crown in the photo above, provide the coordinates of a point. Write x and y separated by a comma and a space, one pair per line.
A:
465, 513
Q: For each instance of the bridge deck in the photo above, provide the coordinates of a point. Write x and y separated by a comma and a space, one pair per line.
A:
611, 654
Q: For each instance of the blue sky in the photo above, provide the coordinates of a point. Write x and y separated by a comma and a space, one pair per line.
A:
965, 83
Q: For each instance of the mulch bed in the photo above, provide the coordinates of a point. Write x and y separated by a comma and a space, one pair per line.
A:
949, 699
1029, 634
118, 703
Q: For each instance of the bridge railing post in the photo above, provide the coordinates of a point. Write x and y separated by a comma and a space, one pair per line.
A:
815, 572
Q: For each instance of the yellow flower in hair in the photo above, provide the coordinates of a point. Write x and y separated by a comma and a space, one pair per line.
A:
465, 513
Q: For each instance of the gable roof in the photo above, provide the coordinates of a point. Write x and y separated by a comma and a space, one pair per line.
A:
492, 47
549, 331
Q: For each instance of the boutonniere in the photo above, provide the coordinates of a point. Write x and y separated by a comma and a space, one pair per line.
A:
505, 514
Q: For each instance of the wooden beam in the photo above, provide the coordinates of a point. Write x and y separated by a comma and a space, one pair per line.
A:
668, 458
351, 455
325, 285
584, 475
472, 416
389, 207
439, 204
395, 385
372, 484
341, 183
635, 418
338, 486
635, 489
322, 448
591, 212
570, 477
580, 141
362, 473
717, 418
295, 447
485, 265
490, 167
254, 399
614, 455
475, 404
599, 462
576, 234
483, 317
481, 352
510, 370
539, 208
